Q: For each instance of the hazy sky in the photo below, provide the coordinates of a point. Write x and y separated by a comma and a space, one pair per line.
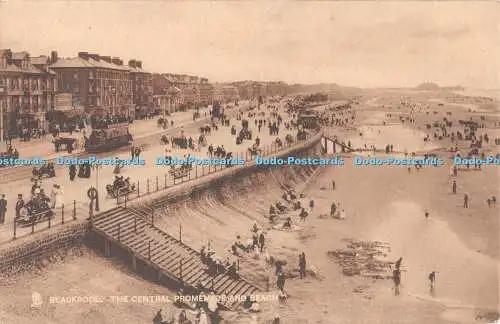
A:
365, 44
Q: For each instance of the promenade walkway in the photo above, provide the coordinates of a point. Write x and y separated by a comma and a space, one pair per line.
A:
43, 148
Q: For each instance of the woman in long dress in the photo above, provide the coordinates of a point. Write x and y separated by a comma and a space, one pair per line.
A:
59, 197
53, 194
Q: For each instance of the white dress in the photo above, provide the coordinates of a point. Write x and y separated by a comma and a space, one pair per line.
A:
59, 198
203, 318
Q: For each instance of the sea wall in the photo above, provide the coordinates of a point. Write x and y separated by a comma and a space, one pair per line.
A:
191, 188
25, 252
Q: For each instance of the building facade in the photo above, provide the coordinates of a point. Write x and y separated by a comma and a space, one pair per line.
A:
251, 90
206, 90
225, 93
186, 92
27, 89
142, 88
101, 85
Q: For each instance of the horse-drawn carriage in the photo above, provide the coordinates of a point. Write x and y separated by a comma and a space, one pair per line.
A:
34, 211
120, 188
47, 169
164, 140
180, 172
205, 129
202, 141
66, 143
301, 135
180, 142
245, 133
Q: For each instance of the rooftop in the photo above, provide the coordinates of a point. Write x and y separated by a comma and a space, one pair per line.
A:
78, 62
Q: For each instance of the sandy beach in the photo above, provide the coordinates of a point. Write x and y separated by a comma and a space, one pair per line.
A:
461, 245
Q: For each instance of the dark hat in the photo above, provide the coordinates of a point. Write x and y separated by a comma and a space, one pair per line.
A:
19, 196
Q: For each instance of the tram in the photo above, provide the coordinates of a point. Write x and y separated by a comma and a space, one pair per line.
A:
106, 139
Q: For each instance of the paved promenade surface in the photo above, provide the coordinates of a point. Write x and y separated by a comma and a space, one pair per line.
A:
77, 190
43, 148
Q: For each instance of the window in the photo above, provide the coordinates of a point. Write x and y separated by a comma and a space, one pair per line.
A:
75, 76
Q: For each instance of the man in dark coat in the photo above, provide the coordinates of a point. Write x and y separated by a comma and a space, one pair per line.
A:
3, 209
262, 240
72, 172
19, 205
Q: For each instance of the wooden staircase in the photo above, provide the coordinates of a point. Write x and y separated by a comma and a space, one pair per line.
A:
131, 229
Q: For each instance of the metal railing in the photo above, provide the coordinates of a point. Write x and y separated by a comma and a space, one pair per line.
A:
28, 225
162, 182
81, 210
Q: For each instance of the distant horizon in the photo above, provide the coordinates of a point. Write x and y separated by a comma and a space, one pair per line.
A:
354, 44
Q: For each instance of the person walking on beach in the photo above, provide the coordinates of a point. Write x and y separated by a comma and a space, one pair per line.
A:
432, 279
302, 265
333, 185
311, 205
396, 278
454, 187
397, 265
466, 201
3, 209
280, 281
262, 240
426, 215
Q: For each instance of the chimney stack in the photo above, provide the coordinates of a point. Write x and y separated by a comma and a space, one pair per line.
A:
83, 55
115, 60
95, 57
106, 58
53, 57
131, 63
138, 64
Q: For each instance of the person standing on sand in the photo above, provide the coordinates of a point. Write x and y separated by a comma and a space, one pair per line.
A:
432, 279
333, 185
454, 187
396, 278
280, 281
397, 265
466, 201
302, 265
426, 215
158, 319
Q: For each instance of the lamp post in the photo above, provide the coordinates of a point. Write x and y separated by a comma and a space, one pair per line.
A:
171, 92
97, 167
113, 90
164, 113
2, 95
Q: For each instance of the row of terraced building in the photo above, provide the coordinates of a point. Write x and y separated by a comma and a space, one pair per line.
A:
40, 89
